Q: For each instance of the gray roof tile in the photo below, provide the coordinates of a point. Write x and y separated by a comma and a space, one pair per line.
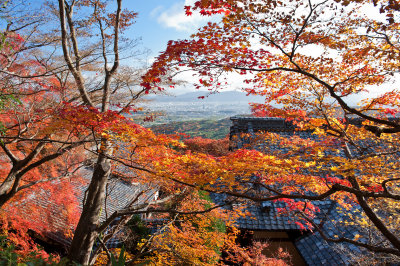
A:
312, 247
119, 195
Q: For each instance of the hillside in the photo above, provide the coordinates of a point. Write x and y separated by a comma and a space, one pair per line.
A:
213, 129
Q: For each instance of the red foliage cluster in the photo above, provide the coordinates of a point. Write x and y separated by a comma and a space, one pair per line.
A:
219, 147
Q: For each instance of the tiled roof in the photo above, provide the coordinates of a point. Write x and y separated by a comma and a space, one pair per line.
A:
261, 216
265, 216
253, 124
316, 251
119, 195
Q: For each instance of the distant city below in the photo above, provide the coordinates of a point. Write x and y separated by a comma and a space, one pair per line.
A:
225, 96
189, 106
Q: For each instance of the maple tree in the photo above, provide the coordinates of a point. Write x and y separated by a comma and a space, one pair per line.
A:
57, 122
57, 117
41, 147
32, 95
308, 58
110, 26
123, 148
33, 155
311, 89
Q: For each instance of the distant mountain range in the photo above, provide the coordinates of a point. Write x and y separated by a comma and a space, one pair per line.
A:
225, 96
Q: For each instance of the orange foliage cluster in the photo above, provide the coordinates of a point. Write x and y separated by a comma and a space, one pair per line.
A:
306, 58
49, 125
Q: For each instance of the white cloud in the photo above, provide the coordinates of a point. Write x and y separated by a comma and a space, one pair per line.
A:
175, 17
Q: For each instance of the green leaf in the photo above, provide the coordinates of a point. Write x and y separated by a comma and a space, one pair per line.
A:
121, 258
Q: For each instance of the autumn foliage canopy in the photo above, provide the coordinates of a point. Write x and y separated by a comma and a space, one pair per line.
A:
310, 60
328, 67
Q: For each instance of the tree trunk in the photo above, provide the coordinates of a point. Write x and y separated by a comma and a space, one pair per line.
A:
86, 230
6, 188
7, 183
4, 198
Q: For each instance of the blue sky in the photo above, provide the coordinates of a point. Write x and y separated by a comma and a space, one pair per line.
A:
160, 21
